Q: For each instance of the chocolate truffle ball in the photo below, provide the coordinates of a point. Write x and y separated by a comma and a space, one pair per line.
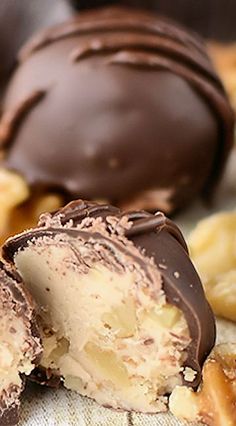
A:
211, 18
122, 310
19, 19
20, 346
117, 105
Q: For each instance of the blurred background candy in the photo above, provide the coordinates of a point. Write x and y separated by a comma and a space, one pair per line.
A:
117, 105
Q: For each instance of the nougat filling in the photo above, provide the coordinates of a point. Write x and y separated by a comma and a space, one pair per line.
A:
107, 327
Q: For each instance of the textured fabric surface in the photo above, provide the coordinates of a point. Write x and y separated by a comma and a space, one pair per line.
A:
44, 407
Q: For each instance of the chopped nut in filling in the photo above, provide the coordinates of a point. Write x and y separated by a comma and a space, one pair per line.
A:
107, 327
213, 250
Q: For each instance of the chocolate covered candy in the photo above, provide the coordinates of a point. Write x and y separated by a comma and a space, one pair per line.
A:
20, 346
122, 311
19, 20
117, 105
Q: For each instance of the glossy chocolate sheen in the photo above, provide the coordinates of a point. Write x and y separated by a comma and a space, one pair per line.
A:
116, 103
211, 18
23, 305
19, 19
160, 239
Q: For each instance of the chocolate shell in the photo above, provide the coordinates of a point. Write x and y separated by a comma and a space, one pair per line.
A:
20, 345
19, 20
117, 105
213, 19
123, 313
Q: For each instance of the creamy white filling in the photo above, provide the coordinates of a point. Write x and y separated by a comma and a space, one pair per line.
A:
110, 338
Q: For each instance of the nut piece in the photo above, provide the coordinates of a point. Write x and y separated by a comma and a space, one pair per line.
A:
13, 191
215, 238
19, 210
168, 316
108, 364
45, 203
225, 354
214, 403
122, 319
25, 215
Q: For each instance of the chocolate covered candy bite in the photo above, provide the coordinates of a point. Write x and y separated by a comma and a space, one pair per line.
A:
117, 105
20, 346
122, 312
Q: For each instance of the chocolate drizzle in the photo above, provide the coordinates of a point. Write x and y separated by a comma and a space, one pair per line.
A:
126, 50
110, 20
160, 240
12, 120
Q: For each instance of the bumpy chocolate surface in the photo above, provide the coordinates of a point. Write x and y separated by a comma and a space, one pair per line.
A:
155, 237
118, 105
19, 20
211, 18
19, 342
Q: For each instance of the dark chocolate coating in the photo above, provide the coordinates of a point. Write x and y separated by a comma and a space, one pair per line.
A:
211, 18
114, 103
19, 19
21, 302
160, 239
46, 377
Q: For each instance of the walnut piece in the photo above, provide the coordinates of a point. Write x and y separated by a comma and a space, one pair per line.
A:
20, 210
13, 191
213, 250
166, 316
108, 364
214, 403
122, 319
